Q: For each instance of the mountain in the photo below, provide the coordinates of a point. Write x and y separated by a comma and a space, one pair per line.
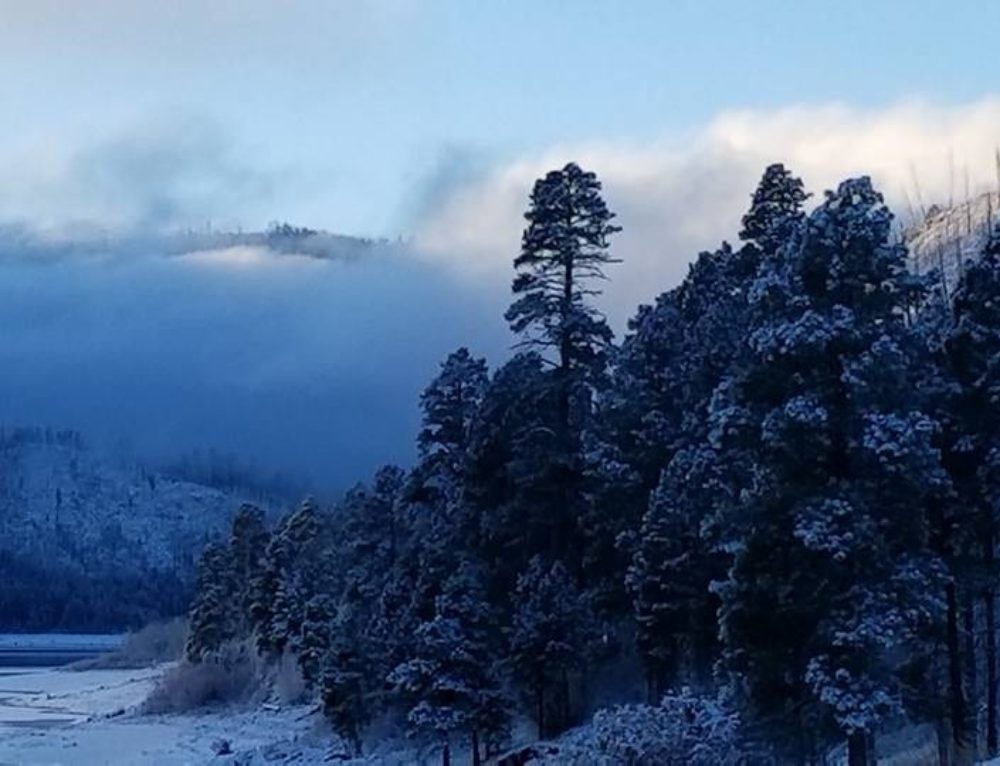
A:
89, 542
950, 236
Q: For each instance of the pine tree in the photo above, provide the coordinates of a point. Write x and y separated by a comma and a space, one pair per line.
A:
373, 529
345, 689
971, 360
297, 568
564, 250
512, 483
451, 680
449, 405
672, 569
563, 253
315, 636
776, 211
662, 380
248, 548
440, 516
655, 419
212, 616
552, 633
832, 578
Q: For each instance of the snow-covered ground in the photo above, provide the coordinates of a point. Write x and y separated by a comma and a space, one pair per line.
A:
56, 716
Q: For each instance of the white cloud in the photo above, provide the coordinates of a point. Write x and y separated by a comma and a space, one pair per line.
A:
175, 172
245, 258
679, 195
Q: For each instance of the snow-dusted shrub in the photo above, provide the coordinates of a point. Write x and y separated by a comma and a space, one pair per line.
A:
289, 684
157, 642
685, 729
226, 675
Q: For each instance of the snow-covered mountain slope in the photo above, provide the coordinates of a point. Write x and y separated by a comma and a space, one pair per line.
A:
950, 236
58, 496
91, 543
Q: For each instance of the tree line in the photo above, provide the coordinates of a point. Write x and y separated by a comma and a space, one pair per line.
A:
780, 488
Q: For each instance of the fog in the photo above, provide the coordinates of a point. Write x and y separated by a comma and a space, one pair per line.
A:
307, 365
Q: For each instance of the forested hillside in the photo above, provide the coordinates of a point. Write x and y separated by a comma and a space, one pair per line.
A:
87, 543
777, 494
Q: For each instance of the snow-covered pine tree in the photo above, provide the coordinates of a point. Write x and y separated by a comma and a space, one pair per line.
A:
972, 456
449, 405
511, 481
564, 251
372, 529
212, 618
345, 682
248, 547
776, 210
552, 633
315, 636
831, 578
443, 524
662, 379
297, 568
655, 417
451, 682
673, 565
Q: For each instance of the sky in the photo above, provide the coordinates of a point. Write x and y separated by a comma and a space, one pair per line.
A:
426, 121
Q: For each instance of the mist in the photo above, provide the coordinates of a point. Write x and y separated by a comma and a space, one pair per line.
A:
311, 366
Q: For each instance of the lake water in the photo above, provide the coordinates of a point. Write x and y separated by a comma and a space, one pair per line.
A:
19, 650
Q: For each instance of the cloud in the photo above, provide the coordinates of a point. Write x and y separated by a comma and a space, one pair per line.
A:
678, 195
309, 364
178, 171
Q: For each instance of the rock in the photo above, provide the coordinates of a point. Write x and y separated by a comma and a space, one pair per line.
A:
222, 747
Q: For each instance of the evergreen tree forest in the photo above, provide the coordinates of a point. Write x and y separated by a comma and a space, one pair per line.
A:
778, 494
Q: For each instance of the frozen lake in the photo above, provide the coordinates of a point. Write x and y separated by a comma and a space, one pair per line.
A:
57, 717
19, 650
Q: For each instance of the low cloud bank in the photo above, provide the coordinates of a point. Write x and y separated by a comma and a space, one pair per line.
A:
677, 195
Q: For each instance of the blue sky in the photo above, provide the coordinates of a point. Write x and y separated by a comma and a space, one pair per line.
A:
349, 107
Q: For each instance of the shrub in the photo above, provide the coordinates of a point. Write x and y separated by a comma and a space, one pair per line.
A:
289, 684
155, 643
227, 675
683, 730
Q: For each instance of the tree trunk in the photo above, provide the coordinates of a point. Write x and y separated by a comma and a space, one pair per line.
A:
859, 749
540, 710
446, 755
956, 695
944, 742
971, 672
476, 760
654, 683
989, 599
565, 708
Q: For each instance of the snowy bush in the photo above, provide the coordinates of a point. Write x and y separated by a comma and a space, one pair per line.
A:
227, 675
683, 730
157, 642
289, 684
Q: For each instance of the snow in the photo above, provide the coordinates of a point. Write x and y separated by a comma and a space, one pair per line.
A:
950, 236
53, 490
58, 716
